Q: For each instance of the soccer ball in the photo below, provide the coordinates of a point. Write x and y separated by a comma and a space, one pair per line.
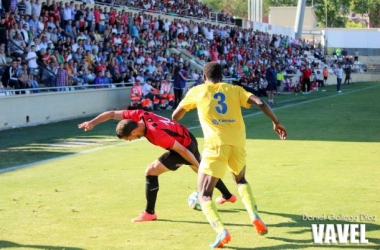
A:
193, 201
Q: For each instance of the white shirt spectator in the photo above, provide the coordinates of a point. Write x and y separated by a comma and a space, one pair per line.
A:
43, 45
36, 9
32, 63
74, 47
23, 22
28, 9
209, 34
195, 76
117, 40
147, 6
152, 68
339, 72
316, 76
102, 19
146, 89
167, 26
195, 30
66, 14
25, 35
41, 27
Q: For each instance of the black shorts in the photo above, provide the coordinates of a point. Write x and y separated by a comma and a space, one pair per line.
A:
325, 77
172, 160
272, 86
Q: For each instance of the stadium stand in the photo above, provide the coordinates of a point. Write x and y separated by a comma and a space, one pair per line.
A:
80, 45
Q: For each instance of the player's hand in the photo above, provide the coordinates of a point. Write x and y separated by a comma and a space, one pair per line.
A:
280, 130
86, 125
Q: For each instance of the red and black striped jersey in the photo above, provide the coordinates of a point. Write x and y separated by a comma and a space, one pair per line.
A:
160, 131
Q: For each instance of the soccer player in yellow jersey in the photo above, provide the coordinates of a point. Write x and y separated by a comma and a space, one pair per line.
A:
219, 110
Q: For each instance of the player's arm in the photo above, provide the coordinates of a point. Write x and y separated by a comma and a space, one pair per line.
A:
263, 106
178, 113
105, 116
185, 153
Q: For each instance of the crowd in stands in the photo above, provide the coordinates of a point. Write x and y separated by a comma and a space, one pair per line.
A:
72, 44
190, 8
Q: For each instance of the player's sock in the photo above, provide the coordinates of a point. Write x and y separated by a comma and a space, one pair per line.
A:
151, 190
223, 189
245, 192
209, 209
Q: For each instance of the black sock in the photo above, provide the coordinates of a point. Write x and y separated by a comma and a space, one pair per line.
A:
223, 189
151, 190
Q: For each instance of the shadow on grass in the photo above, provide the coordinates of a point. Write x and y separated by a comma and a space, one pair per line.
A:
295, 223
347, 113
6, 244
303, 246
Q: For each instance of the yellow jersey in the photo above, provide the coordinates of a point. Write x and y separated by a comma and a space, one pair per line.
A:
219, 110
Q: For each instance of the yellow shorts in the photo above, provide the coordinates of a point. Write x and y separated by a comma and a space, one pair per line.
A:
216, 159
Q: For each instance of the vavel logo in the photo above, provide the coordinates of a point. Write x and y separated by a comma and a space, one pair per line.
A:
339, 233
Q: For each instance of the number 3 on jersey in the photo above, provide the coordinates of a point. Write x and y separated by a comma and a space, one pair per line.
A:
222, 109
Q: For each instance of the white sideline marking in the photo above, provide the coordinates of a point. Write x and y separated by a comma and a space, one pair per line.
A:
190, 128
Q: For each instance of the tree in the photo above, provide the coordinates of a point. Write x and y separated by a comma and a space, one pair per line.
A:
354, 25
370, 8
336, 10
233, 7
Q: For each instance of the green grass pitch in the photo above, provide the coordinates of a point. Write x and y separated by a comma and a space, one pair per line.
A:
87, 198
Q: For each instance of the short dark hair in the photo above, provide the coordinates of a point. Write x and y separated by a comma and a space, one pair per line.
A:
125, 127
213, 72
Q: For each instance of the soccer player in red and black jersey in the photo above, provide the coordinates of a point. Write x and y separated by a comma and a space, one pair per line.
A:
160, 131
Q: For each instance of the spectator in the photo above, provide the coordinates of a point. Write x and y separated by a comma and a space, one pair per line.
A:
356, 58
318, 79
280, 79
22, 83
271, 77
17, 46
347, 71
3, 31
339, 74
137, 97
179, 84
325, 75
31, 58
98, 81
62, 77
49, 75
10, 76
3, 60
306, 74
151, 93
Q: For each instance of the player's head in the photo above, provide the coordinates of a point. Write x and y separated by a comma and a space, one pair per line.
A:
212, 72
127, 130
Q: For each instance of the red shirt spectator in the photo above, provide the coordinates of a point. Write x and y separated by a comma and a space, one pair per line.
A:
214, 55
112, 18
306, 73
97, 16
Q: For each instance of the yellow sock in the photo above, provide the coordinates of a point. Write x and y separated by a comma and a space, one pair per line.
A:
245, 192
209, 209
